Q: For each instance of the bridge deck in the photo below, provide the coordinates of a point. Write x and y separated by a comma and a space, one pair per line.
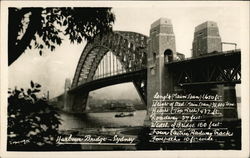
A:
210, 56
213, 68
111, 80
189, 68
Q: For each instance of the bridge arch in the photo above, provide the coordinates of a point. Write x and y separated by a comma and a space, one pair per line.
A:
128, 47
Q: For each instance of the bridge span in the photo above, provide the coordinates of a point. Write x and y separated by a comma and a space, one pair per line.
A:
153, 65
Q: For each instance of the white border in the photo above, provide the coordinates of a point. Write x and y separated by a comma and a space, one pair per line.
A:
194, 154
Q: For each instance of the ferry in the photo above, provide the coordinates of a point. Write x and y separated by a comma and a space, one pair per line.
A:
122, 114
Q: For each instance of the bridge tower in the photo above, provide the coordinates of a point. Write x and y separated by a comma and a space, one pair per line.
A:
66, 102
161, 49
206, 39
67, 84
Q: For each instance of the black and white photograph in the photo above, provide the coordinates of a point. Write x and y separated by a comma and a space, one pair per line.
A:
125, 78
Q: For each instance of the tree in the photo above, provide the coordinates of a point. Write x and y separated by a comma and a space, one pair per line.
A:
32, 122
42, 28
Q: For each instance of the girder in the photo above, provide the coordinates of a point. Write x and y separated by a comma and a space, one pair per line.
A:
141, 87
220, 68
128, 47
137, 77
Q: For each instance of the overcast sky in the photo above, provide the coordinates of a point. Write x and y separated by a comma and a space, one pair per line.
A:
51, 69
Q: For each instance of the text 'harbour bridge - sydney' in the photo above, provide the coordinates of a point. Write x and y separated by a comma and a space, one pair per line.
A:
153, 65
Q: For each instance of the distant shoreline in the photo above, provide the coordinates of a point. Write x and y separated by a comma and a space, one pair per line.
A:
99, 111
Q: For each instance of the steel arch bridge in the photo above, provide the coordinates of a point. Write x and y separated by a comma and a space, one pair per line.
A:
128, 47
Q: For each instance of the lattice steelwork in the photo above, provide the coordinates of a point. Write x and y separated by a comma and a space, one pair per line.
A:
128, 47
115, 58
219, 68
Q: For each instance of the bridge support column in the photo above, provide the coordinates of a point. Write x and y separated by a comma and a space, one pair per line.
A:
204, 89
79, 102
228, 94
67, 103
161, 49
230, 97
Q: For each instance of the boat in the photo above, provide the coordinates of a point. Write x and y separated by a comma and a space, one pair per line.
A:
122, 114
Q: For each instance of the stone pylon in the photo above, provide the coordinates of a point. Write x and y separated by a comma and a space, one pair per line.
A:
206, 39
161, 50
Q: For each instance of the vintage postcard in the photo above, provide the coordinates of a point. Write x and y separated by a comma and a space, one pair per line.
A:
125, 79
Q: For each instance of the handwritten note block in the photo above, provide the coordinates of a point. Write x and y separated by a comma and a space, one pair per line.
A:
189, 118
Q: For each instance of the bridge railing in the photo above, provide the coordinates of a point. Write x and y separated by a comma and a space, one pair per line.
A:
207, 55
113, 73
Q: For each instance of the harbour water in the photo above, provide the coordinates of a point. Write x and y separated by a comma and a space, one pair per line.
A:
107, 125
102, 124
99, 120
106, 120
